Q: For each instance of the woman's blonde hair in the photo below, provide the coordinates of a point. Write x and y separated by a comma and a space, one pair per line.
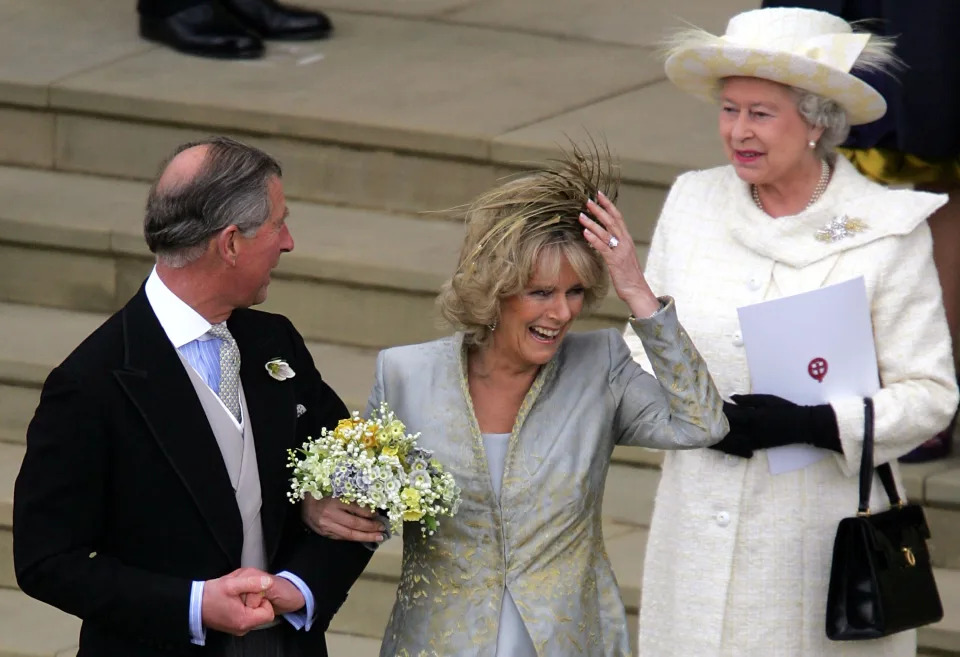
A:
524, 223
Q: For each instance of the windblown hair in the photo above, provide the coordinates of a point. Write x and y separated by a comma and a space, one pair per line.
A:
526, 223
229, 189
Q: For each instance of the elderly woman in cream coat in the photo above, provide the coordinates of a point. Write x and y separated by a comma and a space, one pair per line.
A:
750, 552
526, 416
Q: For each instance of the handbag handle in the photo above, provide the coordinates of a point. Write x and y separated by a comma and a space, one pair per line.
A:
884, 471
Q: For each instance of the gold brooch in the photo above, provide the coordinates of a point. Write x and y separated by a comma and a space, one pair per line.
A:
840, 227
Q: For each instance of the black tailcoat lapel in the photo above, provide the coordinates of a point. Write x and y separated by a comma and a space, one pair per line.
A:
154, 379
271, 405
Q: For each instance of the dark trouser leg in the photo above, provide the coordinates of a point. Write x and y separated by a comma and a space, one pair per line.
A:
277, 641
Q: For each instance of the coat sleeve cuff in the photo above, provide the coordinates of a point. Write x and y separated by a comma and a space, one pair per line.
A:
849, 412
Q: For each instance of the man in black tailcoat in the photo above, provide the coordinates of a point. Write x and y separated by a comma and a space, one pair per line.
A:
152, 500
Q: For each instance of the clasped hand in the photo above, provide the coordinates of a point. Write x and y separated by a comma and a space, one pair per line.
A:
245, 599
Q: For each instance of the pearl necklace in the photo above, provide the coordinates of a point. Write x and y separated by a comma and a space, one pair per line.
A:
817, 191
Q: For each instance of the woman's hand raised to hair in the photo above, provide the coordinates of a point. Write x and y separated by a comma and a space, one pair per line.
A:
606, 232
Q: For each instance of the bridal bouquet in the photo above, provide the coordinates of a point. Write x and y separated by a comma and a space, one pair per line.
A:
375, 463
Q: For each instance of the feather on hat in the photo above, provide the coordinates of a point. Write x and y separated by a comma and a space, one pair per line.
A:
802, 48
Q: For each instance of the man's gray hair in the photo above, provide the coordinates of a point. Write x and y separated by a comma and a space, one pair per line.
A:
230, 188
821, 112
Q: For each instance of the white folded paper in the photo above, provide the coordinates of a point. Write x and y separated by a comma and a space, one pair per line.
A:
811, 348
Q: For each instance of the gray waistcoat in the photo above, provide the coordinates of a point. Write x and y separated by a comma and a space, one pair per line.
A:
240, 459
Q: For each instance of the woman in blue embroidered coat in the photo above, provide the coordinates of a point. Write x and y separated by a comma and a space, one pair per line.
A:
526, 416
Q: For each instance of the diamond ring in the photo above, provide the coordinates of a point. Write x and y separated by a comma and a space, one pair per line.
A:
612, 242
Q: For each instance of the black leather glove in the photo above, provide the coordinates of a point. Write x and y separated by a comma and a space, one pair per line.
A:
764, 421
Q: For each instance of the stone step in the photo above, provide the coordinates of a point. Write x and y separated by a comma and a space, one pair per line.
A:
17, 403
352, 644
10, 458
29, 628
353, 127
355, 277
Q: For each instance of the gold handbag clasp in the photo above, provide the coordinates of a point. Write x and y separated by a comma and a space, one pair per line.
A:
908, 555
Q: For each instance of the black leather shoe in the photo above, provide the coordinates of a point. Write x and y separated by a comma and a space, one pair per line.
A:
272, 20
207, 30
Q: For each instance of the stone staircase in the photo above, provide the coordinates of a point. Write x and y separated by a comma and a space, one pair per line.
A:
411, 110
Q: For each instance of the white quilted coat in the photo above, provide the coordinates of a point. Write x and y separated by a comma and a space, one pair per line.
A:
738, 560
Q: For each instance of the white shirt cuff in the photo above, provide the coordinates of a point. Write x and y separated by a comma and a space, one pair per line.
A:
198, 633
303, 619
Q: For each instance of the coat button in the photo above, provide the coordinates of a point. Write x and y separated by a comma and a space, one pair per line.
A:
723, 518
731, 460
737, 339
754, 284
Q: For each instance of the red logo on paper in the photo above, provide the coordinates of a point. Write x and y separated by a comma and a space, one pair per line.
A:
817, 369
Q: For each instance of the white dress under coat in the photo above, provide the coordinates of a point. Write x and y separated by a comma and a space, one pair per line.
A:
738, 560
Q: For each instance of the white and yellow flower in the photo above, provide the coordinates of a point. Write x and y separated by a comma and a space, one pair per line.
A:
279, 369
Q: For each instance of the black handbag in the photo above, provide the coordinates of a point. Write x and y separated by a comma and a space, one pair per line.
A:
881, 580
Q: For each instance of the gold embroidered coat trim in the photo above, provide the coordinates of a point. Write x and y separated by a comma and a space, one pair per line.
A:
544, 539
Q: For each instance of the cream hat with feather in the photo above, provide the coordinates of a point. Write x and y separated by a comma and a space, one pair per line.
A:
803, 48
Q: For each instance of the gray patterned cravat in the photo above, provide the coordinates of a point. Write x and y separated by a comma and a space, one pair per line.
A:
229, 391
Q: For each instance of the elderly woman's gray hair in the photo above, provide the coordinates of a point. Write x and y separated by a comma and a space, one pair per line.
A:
526, 223
230, 189
820, 112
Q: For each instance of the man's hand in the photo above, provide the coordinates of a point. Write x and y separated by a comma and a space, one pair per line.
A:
335, 519
236, 605
283, 595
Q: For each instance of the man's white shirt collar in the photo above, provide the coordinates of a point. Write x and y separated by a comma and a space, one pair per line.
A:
180, 322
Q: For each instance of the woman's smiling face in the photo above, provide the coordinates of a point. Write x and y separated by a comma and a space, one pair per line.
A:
534, 321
